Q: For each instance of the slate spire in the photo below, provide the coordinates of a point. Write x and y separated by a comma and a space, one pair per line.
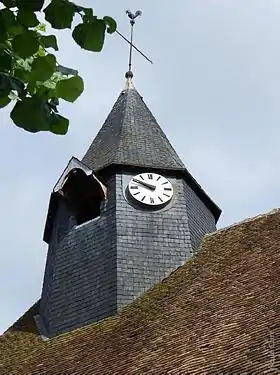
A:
131, 136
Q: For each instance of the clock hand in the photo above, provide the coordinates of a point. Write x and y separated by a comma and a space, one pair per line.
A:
149, 186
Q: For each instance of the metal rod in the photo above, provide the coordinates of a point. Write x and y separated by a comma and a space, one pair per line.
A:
130, 48
133, 46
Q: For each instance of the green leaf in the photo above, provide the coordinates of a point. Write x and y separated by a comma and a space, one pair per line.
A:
90, 36
88, 13
35, 114
59, 124
41, 27
9, 3
66, 71
31, 5
8, 83
24, 64
31, 87
22, 74
4, 101
111, 24
4, 98
49, 41
27, 18
70, 89
30, 114
26, 44
3, 34
43, 68
41, 52
7, 19
54, 102
3, 46
5, 62
60, 13
9, 24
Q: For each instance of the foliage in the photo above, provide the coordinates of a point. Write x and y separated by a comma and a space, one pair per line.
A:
29, 73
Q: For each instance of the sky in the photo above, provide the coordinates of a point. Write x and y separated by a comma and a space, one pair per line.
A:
214, 89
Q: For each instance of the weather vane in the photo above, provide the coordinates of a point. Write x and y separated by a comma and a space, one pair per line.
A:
132, 17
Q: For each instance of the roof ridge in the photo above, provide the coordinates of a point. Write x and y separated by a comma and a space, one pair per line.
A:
125, 90
244, 221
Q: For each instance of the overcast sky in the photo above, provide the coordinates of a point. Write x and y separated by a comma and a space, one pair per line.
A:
214, 89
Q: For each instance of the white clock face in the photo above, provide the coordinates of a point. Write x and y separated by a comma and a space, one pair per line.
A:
150, 189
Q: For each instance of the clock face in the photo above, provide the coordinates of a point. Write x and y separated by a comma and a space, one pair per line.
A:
150, 189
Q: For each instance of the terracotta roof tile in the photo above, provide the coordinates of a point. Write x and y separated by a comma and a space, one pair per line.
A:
217, 314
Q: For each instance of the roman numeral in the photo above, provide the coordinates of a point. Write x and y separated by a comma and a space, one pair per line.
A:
150, 176
152, 200
168, 189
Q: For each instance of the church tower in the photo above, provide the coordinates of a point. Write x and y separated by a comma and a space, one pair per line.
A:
120, 219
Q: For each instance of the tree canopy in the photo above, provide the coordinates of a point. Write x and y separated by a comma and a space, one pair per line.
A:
30, 75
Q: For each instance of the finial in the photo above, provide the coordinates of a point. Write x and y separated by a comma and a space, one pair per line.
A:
129, 74
132, 16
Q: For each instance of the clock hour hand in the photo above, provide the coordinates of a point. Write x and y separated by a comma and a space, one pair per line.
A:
149, 186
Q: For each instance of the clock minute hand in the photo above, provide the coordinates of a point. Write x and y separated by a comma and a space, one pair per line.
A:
152, 187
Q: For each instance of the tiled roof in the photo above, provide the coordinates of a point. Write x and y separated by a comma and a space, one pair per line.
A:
217, 314
131, 136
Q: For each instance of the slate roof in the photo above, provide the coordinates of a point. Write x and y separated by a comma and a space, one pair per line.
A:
217, 314
131, 136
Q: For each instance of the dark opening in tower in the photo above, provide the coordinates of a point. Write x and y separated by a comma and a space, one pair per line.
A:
83, 195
